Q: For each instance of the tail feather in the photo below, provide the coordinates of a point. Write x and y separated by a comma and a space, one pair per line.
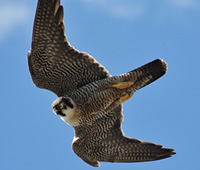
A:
147, 73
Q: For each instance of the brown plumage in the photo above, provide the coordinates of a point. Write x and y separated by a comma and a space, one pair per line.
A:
90, 99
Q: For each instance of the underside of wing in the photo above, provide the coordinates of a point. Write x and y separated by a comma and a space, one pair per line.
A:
123, 149
53, 63
104, 141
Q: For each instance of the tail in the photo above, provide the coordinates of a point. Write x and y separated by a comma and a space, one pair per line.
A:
146, 74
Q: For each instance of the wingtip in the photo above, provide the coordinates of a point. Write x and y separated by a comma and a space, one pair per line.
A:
167, 154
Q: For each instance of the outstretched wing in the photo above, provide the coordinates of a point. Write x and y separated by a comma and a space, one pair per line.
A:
53, 63
104, 141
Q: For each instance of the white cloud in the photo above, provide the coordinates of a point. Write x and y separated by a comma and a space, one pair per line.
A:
183, 3
11, 16
124, 9
134, 9
127, 12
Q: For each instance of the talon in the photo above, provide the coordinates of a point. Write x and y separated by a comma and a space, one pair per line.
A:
122, 85
126, 97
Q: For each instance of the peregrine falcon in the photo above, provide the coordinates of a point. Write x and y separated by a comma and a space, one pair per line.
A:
89, 98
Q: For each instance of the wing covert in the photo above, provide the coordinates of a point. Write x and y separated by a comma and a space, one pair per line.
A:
53, 63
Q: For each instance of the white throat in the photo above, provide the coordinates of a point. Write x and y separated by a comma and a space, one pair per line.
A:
71, 117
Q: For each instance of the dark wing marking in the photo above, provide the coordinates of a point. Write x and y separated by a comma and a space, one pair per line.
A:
104, 141
53, 63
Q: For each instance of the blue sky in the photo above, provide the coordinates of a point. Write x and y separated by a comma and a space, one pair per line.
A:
121, 35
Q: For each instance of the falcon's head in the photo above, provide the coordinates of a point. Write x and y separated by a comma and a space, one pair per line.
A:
64, 107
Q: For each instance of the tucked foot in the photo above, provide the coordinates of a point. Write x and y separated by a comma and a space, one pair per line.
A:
126, 97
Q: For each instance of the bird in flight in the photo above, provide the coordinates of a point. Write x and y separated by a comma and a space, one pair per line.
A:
89, 98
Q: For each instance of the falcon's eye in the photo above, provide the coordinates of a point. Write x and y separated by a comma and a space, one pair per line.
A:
63, 106
67, 102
